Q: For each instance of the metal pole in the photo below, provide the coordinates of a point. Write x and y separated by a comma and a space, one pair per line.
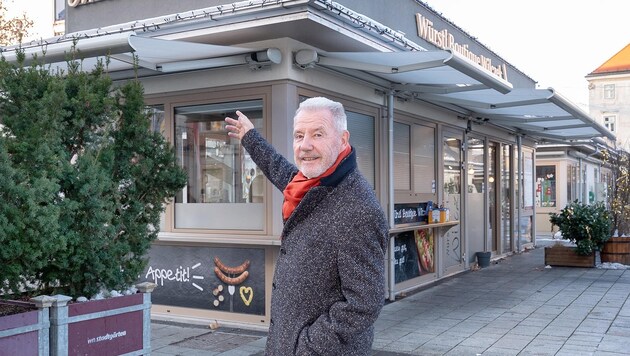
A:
390, 191
519, 190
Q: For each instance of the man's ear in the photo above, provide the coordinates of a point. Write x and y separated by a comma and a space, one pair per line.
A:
345, 139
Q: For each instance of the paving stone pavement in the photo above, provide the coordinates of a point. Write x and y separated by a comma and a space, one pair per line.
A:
515, 306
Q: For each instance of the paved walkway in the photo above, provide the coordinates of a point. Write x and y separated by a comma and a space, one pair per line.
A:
515, 306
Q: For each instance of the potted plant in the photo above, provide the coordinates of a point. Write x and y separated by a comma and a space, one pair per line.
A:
617, 248
83, 181
586, 226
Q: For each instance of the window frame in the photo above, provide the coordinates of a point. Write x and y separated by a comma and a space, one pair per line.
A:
216, 96
612, 120
541, 187
403, 196
609, 91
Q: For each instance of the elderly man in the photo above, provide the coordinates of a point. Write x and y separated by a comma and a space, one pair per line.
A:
329, 285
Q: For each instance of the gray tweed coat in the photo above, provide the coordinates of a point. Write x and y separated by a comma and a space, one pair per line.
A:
329, 283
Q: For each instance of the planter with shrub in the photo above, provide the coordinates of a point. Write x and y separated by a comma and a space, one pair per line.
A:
617, 248
587, 227
83, 181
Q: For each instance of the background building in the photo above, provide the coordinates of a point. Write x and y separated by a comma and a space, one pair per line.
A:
609, 95
578, 171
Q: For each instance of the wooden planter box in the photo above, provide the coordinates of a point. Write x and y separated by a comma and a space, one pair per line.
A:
26, 333
616, 250
560, 255
115, 326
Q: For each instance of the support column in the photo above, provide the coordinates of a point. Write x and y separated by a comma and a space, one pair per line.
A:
146, 288
59, 325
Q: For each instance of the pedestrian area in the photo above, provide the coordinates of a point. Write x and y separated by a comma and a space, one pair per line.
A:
515, 306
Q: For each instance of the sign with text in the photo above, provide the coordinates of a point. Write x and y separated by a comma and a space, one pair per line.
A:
414, 254
106, 335
410, 213
214, 278
405, 257
442, 38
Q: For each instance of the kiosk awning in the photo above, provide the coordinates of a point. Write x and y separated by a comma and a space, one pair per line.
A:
128, 49
542, 113
449, 80
426, 71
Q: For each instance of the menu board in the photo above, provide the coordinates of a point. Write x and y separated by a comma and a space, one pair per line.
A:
405, 257
214, 278
414, 254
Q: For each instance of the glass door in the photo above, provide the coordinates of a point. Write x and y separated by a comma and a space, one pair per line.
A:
506, 198
493, 196
475, 196
453, 246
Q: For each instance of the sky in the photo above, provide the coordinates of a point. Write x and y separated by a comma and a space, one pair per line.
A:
555, 42
41, 15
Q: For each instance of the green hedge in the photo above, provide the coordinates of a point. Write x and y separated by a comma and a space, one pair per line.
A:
83, 180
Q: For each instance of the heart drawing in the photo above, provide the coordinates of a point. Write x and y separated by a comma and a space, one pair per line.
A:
247, 294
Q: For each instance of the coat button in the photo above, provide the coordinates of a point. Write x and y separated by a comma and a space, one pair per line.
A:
283, 251
273, 285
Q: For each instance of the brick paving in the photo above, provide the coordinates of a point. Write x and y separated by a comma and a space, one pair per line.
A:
515, 306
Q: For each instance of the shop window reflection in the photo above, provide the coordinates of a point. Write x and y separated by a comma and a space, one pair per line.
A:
546, 186
223, 181
452, 156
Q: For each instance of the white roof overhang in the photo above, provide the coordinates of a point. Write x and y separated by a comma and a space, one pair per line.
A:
541, 113
447, 79
126, 50
439, 71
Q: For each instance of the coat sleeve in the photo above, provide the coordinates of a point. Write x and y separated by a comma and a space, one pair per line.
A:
361, 267
275, 166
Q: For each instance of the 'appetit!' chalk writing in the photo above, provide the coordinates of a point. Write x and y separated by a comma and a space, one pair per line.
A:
180, 274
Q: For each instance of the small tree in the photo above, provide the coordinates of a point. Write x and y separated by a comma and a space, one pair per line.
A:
83, 180
12, 30
619, 189
587, 226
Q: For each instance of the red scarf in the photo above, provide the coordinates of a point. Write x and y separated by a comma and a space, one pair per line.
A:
300, 185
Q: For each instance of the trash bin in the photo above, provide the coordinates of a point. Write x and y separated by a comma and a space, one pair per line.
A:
483, 259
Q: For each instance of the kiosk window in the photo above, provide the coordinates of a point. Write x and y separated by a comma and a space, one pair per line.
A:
414, 158
423, 159
224, 184
402, 153
545, 186
156, 116
361, 128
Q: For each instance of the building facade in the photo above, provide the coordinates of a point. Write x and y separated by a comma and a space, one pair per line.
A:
579, 171
440, 123
570, 172
609, 94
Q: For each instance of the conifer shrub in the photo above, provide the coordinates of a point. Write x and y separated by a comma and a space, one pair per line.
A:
586, 225
83, 180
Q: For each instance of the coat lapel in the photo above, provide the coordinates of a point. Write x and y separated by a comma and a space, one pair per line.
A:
312, 198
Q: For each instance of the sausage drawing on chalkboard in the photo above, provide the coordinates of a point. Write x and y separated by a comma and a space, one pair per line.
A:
231, 280
231, 270
232, 276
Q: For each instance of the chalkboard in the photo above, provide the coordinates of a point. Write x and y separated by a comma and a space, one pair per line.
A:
405, 257
190, 277
411, 213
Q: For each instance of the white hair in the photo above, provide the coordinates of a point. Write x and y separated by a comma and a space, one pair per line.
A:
336, 109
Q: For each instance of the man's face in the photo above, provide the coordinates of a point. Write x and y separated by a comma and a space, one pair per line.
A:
316, 141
